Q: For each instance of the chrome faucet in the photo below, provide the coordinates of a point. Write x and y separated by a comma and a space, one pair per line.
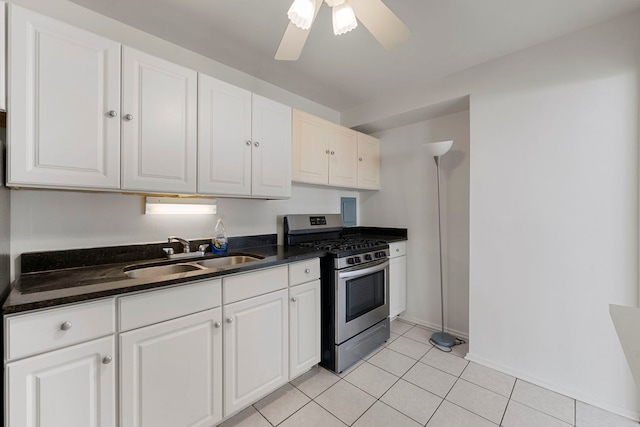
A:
185, 243
186, 252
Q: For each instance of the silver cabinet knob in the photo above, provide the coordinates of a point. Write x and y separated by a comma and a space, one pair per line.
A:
248, 143
333, 152
66, 326
294, 299
107, 359
306, 270
217, 325
257, 144
229, 319
360, 159
397, 249
128, 117
113, 113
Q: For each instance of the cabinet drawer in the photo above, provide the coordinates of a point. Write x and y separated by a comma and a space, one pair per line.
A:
152, 307
304, 271
46, 330
398, 248
249, 285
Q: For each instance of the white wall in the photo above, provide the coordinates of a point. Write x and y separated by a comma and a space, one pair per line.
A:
44, 220
554, 220
408, 199
553, 207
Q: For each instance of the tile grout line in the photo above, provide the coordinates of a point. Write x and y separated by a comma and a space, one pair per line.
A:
513, 387
378, 399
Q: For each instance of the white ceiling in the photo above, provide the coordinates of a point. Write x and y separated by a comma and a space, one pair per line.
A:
343, 72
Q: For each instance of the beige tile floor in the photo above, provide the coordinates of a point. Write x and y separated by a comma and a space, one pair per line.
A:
409, 383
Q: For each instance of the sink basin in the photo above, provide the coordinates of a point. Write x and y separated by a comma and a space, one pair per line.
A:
162, 270
227, 261
185, 267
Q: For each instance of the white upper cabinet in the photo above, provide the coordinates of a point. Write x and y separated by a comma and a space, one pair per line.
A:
310, 150
3, 56
224, 138
328, 154
343, 156
64, 94
159, 102
368, 162
244, 142
271, 155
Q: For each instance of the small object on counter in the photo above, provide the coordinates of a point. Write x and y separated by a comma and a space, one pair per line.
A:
219, 239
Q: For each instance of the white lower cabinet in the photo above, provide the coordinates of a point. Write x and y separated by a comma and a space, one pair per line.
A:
304, 327
187, 355
71, 387
256, 348
397, 278
171, 373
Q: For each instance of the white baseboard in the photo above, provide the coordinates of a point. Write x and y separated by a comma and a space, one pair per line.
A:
574, 394
433, 326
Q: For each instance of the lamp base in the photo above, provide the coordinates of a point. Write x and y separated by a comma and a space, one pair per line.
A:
443, 339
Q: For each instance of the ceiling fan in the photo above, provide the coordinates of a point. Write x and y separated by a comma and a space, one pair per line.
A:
381, 22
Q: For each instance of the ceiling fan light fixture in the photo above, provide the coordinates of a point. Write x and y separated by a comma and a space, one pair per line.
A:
344, 19
301, 13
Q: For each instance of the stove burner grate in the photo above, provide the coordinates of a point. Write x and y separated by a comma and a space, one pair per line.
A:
342, 244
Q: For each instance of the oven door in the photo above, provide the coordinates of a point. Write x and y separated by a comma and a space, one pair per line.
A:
362, 298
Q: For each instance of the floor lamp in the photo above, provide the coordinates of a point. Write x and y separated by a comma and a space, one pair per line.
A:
441, 339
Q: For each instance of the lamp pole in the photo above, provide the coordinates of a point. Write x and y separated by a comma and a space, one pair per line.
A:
441, 339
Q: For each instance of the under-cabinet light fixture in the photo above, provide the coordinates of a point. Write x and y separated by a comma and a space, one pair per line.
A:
179, 206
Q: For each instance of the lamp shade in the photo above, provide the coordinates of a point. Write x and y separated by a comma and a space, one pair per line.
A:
437, 149
344, 19
301, 13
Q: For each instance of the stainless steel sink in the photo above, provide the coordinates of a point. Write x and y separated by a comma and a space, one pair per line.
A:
162, 270
186, 267
227, 261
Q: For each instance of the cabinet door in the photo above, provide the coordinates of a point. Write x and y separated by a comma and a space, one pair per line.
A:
397, 285
224, 138
256, 348
71, 387
304, 327
343, 159
171, 373
159, 101
3, 56
310, 149
64, 84
271, 157
368, 162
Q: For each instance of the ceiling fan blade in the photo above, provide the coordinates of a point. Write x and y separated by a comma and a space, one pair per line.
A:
294, 39
385, 26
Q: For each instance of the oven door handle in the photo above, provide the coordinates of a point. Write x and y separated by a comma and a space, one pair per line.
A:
363, 271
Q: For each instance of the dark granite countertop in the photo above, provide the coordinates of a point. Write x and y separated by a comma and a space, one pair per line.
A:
62, 277
56, 287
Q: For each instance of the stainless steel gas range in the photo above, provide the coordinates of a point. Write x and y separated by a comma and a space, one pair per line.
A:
355, 288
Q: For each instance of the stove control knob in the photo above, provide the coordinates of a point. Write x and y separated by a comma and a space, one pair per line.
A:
351, 261
358, 260
367, 257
